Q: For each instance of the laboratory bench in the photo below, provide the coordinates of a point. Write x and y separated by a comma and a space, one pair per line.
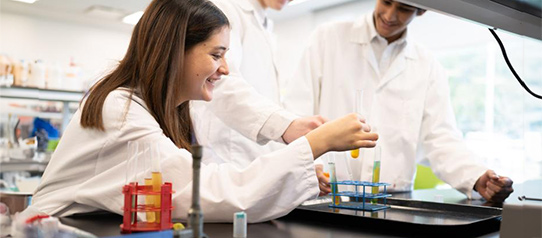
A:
298, 224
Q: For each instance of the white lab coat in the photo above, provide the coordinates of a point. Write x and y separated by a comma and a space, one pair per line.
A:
409, 104
251, 58
88, 169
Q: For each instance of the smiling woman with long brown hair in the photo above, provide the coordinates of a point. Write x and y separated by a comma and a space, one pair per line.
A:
176, 54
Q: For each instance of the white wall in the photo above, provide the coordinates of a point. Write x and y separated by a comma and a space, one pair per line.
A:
293, 33
95, 49
444, 35
433, 30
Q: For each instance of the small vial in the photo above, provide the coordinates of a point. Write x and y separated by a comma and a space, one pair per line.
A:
240, 225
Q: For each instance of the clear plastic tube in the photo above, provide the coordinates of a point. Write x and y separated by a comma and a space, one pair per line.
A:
376, 171
359, 110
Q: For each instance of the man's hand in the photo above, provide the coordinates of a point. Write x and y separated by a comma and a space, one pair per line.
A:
494, 188
301, 126
323, 180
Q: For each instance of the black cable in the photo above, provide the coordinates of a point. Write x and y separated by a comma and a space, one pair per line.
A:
510, 65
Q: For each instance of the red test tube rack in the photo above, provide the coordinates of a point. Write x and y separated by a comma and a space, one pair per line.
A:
131, 208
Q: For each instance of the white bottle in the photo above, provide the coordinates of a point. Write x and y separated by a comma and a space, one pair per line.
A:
37, 74
4, 68
54, 81
20, 73
72, 79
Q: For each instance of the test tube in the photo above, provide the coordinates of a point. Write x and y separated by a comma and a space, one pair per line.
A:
376, 172
156, 177
348, 170
149, 200
333, 178
359, 110
131, 170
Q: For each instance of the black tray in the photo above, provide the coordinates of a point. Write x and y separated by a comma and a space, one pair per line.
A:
410, 218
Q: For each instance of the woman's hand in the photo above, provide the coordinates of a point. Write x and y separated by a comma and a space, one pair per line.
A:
345, 133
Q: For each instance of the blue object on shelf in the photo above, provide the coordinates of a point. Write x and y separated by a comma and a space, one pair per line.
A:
361, 198
39, 123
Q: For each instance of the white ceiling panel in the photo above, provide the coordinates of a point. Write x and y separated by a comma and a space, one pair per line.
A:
76, 10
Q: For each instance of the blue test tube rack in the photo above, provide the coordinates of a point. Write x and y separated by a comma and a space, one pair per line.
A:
361, 199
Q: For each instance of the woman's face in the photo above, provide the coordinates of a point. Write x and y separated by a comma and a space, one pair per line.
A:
204, 64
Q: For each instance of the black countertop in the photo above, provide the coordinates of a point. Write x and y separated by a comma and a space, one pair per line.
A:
293, 226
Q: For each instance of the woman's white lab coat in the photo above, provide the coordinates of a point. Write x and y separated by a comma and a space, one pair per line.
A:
88, 169
409, 104
251, 59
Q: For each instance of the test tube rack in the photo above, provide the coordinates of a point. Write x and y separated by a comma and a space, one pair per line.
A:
131, 207
361, 198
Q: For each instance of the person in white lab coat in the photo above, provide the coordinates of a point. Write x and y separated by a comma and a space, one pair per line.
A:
406, 97
251, 59
176, 54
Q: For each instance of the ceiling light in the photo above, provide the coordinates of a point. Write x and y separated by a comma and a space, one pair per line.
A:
25, 1
133, 18
103, 12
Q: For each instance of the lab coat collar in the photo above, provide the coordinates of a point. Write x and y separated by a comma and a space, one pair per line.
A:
246, 5
255, 7
363, 31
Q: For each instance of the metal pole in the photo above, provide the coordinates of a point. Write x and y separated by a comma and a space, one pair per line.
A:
195, 214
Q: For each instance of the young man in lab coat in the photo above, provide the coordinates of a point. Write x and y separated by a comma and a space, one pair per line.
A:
406, 97
251, 58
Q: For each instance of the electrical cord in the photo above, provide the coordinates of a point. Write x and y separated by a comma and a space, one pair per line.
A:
503, 50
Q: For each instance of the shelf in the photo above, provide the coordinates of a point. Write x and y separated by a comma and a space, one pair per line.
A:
41, 94
22, 165
31, 113
63, 96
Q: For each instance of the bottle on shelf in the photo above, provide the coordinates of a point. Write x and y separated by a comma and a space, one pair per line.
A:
54, 76
20, 73
72, 79
6, 76
37, 74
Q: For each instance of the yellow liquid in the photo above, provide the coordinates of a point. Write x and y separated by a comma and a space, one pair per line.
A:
149, 201
376, 179
334, 189
354, 153
157, 187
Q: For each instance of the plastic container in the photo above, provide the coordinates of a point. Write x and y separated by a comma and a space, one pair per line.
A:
37, 75
239, 225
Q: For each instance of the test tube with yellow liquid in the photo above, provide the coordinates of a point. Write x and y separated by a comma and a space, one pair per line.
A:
156, 178
376, 172
333, 178
149, 200
359, 110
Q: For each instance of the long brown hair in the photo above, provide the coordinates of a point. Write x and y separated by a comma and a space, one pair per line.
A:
153, 64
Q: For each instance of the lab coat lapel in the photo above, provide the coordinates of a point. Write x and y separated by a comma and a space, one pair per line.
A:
369, 55
361, 35
247, 6
398, 65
